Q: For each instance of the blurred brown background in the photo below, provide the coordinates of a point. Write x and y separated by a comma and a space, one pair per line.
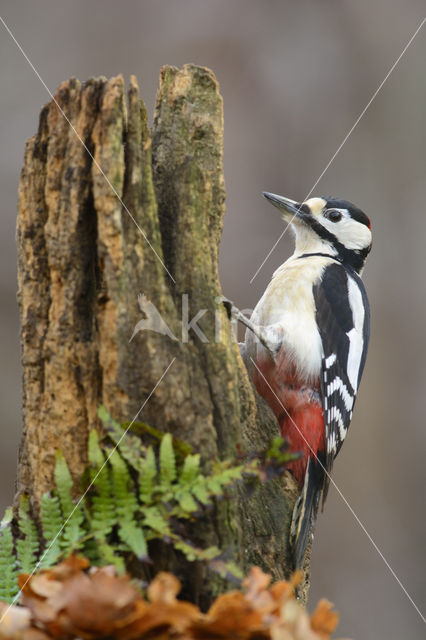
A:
294, 77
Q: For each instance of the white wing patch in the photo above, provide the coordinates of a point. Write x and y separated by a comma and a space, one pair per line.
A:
330, 360
355, 335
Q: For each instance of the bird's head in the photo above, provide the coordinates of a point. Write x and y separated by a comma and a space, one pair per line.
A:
328, 225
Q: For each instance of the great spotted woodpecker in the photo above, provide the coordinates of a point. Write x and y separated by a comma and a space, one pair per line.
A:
307, 339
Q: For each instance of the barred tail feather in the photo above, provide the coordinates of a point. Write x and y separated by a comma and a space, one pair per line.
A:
305, 511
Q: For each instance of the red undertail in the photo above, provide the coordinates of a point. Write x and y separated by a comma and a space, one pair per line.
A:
297, 406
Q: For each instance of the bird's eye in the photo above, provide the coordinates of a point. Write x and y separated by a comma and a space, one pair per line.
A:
333, 215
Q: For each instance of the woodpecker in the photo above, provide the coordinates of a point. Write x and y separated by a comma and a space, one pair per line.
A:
306, 342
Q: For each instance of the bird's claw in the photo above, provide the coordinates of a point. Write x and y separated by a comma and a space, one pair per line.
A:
229, 306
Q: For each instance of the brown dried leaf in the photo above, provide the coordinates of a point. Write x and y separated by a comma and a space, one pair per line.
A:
230, 616
164, 588
80, 604
324, 620
157, 619
97, 603
293, 624
34, 634
14, 620
45, 586
67, 602
256, 581
256, 585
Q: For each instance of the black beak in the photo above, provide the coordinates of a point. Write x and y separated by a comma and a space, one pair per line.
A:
284, 204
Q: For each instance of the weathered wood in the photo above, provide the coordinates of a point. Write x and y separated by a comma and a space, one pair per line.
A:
134, 212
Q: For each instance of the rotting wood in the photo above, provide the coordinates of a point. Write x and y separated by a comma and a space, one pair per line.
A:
83, 260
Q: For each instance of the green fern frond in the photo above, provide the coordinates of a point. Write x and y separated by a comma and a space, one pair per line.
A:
51, 524
147, 468
224, 477
8, 566
64, 484
107, 556
190, 470
123, 487
51, 516
28, 544
73, 531
139, 492
102, 513
133, 538
129, 530
200, 491
100, 553
103, 414
167, 461
156, 523
95, 454
193, 552
130, 446
187, 504
151, 435
211, 555
72, 514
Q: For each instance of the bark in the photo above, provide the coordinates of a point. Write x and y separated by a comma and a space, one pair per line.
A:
109, 210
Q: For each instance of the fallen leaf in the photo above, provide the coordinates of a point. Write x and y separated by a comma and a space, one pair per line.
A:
164, 588
13, 619
70, 603
324, 620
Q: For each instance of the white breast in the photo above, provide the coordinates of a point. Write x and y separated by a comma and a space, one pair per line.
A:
288, 305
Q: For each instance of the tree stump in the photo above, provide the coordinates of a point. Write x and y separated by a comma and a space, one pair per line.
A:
109, 210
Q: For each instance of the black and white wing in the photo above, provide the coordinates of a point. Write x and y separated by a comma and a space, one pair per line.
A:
343, 319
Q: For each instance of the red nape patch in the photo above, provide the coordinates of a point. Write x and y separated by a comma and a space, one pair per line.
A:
304, 428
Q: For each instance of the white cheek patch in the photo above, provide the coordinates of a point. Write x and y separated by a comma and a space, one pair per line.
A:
349, 232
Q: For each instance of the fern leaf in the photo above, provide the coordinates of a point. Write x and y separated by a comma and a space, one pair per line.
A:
101, 553
51, 516
28, 545
64, 484
134, 539
167, 461
192, 552
73, 531
129, 531
102, 513
8, 568
212, 555
154, 520
228, 570
123, 487
181, 448
51, 524
108, 556
147, 472
190, 470
103, 414
95, 454
188, 550
130, 446
72, 514
223, 477
186, 503
199, 490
